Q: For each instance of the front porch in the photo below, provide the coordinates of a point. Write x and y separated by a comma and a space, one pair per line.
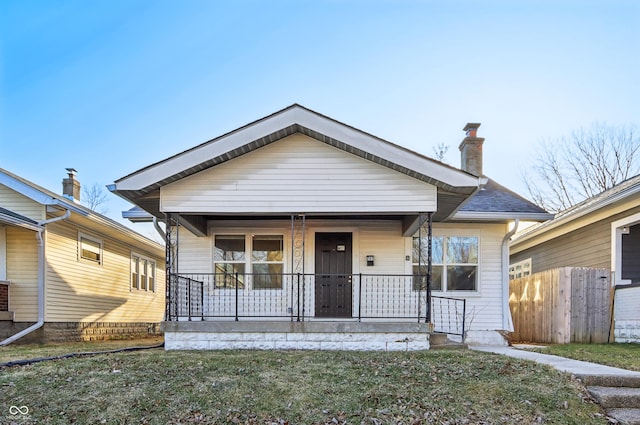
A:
242, 311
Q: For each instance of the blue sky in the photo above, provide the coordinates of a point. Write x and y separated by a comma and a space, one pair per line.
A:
108, 87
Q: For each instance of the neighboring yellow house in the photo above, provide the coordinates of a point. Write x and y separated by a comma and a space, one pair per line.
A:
69, 273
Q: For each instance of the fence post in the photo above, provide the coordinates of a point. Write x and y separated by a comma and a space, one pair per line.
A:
237, 291
298, 315
464, 316
360, 297
202, 300
189, 297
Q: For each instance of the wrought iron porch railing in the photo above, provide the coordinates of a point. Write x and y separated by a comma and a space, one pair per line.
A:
292, 296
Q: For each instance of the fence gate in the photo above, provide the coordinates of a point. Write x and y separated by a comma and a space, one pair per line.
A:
568, 304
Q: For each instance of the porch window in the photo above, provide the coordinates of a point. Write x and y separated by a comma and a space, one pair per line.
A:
268, 261
454, 263
229, 257
420, 256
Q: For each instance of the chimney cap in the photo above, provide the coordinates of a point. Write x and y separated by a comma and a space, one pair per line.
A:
72, 171
471, 126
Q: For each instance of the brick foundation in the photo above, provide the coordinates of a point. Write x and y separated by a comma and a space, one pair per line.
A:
75, 331
626, 331
4, 297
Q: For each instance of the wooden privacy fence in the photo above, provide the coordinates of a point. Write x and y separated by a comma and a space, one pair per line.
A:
568, 304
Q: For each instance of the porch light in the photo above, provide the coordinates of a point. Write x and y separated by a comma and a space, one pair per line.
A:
370, 260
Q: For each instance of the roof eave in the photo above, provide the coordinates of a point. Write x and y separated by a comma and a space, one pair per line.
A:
500, 216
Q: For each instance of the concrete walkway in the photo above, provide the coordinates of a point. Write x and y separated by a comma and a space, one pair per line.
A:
616, 390
576, 367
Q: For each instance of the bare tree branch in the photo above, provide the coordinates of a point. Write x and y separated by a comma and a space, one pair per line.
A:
94, 197
569, 170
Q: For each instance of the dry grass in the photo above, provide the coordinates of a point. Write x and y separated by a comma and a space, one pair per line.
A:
625, 356
302, 387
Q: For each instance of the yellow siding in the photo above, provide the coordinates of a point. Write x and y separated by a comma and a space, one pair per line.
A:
20, 204
22, 272
82, 291
298, 174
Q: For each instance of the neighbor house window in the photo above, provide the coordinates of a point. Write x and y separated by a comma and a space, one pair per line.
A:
143, 272
520, 269
267, 260
264, 266
90, 248
454, 263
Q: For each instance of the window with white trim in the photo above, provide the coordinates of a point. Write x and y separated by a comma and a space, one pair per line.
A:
143, 273
454, 263
264, 267
520, 269
89, 248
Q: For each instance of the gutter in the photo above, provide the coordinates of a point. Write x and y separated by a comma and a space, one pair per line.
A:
41, 272
507, 320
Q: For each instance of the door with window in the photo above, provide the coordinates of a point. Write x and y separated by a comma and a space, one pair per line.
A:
333, 285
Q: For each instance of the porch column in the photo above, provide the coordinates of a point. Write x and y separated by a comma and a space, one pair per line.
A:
171, 265
298, 231
429, 222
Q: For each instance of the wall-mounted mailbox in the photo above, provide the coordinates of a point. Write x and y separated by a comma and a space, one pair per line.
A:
370, 260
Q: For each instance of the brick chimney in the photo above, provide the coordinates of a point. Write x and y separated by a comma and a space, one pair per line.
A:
71, 186
471, 150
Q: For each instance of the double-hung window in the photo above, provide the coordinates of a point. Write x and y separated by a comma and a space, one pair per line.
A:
454, 263
143, 272
262, 269
267, 261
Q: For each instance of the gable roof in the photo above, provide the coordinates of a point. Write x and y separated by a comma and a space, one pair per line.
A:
48, 198
620, 192
456, 189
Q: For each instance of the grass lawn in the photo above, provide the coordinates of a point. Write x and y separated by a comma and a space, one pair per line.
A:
625, 356
301, 387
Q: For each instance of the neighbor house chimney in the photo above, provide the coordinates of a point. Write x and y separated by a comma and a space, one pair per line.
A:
471, 150
71, 186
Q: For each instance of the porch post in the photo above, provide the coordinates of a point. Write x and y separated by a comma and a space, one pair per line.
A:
298, 230
171, 265
429, 260
429, 263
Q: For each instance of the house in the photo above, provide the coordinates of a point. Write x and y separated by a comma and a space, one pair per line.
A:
299, 231
600, 232
68, 273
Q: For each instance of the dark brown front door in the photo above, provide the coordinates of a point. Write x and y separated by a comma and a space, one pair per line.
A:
333, 275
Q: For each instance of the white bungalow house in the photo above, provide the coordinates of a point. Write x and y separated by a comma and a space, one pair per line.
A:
299, 231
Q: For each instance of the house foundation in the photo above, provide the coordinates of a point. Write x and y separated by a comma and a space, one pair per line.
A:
349, 336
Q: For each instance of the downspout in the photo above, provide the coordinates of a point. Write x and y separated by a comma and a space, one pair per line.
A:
507, 320
41, 272
161, 232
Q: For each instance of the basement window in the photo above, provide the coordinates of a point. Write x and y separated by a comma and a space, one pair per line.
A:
89, 248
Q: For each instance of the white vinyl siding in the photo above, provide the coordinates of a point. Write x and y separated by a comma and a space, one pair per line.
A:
79, 291
298, 173
20, 204
22, 272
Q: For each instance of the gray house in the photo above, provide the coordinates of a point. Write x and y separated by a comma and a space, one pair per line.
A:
601, 232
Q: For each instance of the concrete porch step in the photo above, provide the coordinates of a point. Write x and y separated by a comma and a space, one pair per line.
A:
610, 380
616, 397
625, 416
